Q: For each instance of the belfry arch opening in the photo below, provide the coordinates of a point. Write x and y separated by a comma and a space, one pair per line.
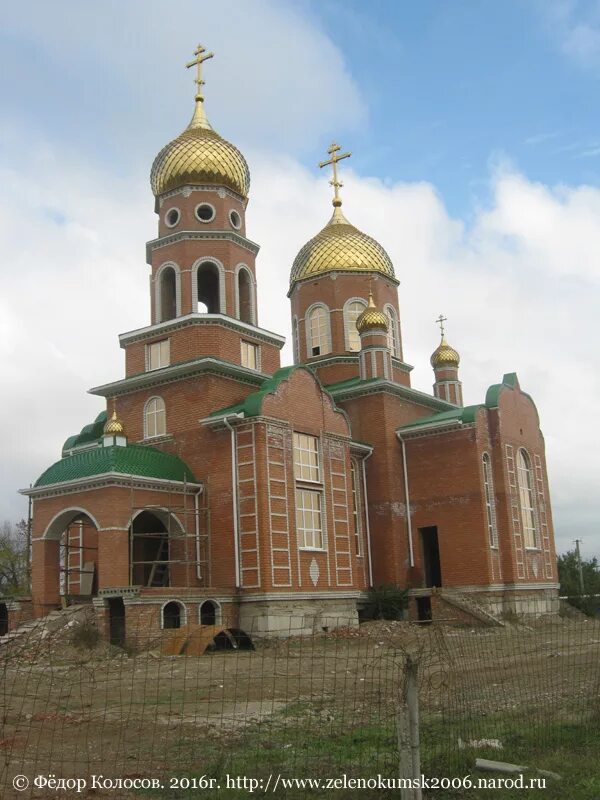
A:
209, 293
244, 289
151, 548
168, 294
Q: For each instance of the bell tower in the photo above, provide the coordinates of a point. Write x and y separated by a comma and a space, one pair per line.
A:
203, 288
445, 361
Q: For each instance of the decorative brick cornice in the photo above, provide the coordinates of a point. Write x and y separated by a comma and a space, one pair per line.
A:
389, 387
109, 479
210, 235
140, 334
177, 372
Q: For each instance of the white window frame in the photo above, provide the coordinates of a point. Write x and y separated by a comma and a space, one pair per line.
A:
162, 351
490, 500
153, 409
321, 337
525, 486
393, 337
245, 349
351, 334
310, 536
307, 458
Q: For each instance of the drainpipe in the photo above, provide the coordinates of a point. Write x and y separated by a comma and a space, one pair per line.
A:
366, 501
411, 555
234, 497
196, 513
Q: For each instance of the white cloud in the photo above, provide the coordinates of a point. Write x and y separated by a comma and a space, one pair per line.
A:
575, 24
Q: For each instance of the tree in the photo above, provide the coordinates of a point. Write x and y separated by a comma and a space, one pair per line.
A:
568, 575
14, 558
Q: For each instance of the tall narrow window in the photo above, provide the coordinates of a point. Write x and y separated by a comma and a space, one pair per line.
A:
490, 500
525, 482
208, 282
158, 354
317, 327
168, 294
356, 508
392, 337
295, 341
249, 355
306, 457
309, 499
155, 418
244, 289
352, 312
309, 526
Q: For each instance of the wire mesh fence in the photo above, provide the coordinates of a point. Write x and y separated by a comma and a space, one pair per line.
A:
319, 707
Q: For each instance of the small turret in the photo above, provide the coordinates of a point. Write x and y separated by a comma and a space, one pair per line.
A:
375, 360
114, 432
445, 361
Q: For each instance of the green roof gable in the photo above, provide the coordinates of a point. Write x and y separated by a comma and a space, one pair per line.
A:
87, 435
464, 416
145, 462
252, 405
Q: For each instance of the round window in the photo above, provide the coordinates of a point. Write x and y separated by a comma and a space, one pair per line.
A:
205, 212
172, 217
235, 219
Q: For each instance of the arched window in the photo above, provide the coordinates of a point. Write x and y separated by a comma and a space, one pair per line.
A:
525, 482
352, 311
318, 332
155, 418
393, 338
168, 294
245, 305
173, 615
490, 500
208, 613
208, 281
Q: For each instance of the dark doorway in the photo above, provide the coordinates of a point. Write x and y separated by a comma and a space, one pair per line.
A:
149, 551
116, 620
208, 613
424, 609
3, 619
431, 556
172, 615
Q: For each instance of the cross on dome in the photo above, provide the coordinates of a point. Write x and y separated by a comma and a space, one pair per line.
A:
336, 183
440, 320
201, 57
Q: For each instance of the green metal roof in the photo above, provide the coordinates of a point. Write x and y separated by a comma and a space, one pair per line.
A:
133, 459
252, 405
463, 415
88, 434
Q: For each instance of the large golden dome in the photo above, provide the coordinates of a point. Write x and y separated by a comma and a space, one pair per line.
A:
200, 155
340, 247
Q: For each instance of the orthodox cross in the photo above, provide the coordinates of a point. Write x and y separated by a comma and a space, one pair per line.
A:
333, 152
440, 320
201, 57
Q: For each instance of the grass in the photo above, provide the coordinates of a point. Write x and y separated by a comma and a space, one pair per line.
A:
308, 746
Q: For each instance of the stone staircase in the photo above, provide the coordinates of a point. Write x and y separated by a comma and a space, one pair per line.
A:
38, 629
469, 606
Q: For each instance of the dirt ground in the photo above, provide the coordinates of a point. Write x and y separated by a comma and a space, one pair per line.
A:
69, 711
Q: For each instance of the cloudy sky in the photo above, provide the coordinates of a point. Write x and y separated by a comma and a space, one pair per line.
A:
475, 132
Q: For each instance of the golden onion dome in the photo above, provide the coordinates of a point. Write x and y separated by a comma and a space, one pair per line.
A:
340, 247
444, 355
372, 318
114, 426
200, 155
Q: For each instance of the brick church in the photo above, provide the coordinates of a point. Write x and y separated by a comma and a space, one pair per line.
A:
219, 486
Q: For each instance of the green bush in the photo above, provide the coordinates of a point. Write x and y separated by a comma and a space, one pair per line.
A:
385, 602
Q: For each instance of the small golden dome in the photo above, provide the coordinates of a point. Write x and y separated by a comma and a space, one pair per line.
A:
199, 155
444, 355
372, 318
340, 247
114, 426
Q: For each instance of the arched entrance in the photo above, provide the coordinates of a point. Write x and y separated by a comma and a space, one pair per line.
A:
3, 619
152, 547
172, 615
208, 613
209, 294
